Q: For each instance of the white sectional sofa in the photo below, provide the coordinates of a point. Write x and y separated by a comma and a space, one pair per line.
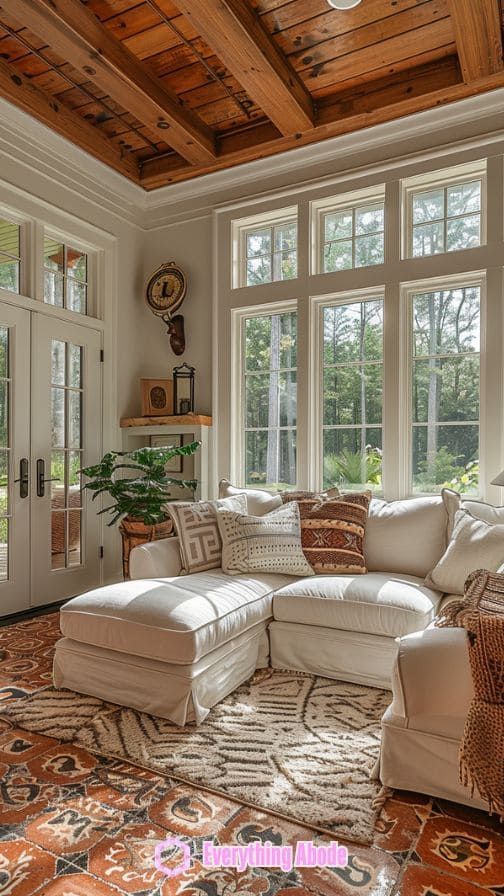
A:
176, 645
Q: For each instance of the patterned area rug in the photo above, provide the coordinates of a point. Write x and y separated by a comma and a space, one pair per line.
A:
301, 746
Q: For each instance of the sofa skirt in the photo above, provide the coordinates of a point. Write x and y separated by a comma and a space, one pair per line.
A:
176, 692
348, 656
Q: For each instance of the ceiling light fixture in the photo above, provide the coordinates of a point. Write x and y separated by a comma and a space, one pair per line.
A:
343, 4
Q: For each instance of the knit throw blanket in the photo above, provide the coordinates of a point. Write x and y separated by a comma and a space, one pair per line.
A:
481, 613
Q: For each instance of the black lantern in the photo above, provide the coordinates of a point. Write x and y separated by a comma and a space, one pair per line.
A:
183, 389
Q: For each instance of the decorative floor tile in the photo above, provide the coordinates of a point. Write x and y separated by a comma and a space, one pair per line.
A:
63, 764
24, 868
126, 860
124, 786
23, 796
195, 814
77, 885
18, 746
73, 826
400, 824
472, 853
470, 816
421, 881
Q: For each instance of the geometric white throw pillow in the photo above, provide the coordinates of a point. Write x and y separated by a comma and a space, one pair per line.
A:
474, 544
196, 526
267, 544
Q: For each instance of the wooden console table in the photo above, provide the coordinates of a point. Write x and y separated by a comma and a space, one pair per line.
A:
138, 430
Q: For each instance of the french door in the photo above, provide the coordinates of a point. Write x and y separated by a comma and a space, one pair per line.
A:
50, 426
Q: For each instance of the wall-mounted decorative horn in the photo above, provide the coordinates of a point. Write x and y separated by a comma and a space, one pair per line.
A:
164, 295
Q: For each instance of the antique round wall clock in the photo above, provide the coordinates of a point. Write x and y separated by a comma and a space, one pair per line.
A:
164, 294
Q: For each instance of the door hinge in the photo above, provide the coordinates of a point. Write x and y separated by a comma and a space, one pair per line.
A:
102, 355
101, 552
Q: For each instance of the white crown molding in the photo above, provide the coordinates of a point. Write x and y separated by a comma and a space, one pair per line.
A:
58, 161
28, 143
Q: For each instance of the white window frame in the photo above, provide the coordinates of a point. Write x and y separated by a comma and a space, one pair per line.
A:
238, 318
440, 180
346, 202
24, 224
318, 303
66, 239
408, 290
239, 231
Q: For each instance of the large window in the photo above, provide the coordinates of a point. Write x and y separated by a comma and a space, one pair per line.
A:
352, 237
269, 344
445, 388
446, 218
270, 253
65, 276
352, 387
10, 255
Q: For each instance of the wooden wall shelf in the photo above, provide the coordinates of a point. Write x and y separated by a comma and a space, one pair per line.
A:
172, 420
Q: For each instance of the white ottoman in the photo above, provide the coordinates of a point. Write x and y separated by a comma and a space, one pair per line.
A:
170, 647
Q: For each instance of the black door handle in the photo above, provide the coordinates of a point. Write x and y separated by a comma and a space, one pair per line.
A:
24, 477
41, 481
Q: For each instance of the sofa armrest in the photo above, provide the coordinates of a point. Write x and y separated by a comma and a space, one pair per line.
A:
431, 681
156, 559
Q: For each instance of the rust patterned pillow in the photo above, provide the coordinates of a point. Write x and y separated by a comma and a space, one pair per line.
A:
306, 501
332, 534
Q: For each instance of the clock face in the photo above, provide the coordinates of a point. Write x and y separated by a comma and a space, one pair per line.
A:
166, 289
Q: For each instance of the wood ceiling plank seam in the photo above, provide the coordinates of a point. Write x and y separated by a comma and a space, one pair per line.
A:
369, 35
78, 34
363, 15
22, 93
347, 66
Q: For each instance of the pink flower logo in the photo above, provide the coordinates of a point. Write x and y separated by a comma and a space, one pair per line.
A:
171, 843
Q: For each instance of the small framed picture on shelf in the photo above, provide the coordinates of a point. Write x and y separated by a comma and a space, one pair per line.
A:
175, 465
157, 398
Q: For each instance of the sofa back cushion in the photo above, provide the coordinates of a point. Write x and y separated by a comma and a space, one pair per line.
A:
406, 536
478, 509
259, 501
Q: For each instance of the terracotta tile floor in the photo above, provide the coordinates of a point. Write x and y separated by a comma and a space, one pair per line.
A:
75, 824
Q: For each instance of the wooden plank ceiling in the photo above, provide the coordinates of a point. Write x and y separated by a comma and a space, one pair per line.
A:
165, 91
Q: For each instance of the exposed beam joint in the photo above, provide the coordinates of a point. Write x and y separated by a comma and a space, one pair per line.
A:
478, 34
234, 31
51, 112
76, 35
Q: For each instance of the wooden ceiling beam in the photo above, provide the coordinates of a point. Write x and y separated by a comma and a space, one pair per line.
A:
76, 35
478, 34
234, 31
341, 118
19, 90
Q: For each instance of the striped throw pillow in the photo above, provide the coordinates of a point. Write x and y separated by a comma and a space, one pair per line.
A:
332, 534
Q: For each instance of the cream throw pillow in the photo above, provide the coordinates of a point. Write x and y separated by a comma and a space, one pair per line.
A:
269, 543
474, 544
196, 526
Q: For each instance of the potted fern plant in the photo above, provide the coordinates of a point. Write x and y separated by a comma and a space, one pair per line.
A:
139, 488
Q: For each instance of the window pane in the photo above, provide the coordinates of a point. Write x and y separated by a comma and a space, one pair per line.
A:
462, 199
58, 363
74, 419
74, 537
463, 233
4, 482
353, 458
257, 388
285, 237
447, 321
353, 395
76, 264
258, 271
288, 399
58, 418
353, 332
9, 274
338, 225
4, 351
258, 242
54, 255
4, 414
428, 239
369, 250
447, 389
369, 219
74, 363
4, 550
285, 265
428, 206
58, 480
338, 256
445, 456
53, 289
271, 458
76, 297
58, 539
9, 238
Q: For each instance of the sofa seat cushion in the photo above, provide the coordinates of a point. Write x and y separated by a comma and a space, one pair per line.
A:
176, 620
376, 603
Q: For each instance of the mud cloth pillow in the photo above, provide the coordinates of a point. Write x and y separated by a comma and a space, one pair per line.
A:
269, 543
196, 526
332, 534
